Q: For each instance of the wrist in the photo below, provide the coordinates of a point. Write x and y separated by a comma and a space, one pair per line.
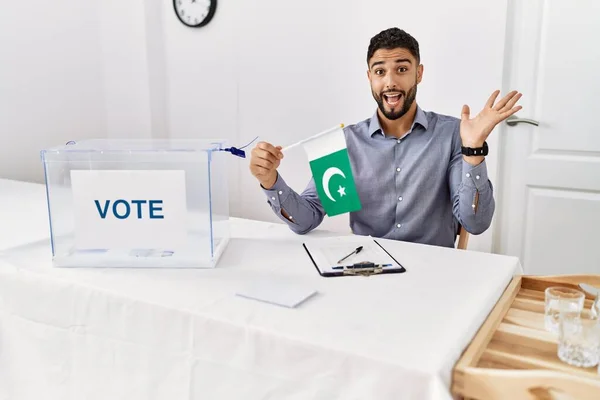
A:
473, 160
472, 143
269, 182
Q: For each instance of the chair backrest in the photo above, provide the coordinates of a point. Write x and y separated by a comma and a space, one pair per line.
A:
463, 235
463, 238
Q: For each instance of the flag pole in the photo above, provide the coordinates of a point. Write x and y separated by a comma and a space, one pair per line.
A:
312, 137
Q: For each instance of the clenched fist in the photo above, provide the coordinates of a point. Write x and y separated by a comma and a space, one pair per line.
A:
264, 162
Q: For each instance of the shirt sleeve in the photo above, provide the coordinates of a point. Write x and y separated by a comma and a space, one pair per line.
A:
305, 209
471, 192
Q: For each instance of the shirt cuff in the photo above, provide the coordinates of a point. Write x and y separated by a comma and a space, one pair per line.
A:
278, 193
475, 176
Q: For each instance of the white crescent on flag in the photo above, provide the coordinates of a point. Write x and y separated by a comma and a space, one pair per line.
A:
329, 173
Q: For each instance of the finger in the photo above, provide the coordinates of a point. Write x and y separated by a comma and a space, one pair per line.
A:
254, 170
511, 103
261, 157
492, 99
271, 149
465, 114
264, 155
264, 163
260, 153
505, 100
510, 112
260, 171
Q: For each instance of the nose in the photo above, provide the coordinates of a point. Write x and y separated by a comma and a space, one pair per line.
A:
389, 82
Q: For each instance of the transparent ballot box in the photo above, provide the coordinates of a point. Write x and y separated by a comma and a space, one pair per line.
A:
137, 203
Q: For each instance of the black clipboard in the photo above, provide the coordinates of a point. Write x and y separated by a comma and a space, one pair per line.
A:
355, 272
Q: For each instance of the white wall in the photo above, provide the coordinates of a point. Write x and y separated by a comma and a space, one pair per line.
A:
51, 80
125, 65
286, 70
72, 70
202, 82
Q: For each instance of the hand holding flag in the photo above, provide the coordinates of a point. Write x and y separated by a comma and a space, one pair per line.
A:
330, 165
264, 161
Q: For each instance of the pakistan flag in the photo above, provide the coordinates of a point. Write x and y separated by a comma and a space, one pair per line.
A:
330, 166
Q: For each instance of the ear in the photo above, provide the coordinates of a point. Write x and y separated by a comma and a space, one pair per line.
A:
369, 74
419, 73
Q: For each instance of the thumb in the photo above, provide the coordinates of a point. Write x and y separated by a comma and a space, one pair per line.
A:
466, 112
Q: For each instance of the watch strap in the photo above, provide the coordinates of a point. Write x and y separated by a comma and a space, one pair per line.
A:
475, 151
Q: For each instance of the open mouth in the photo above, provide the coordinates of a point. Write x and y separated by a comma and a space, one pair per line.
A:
392, 98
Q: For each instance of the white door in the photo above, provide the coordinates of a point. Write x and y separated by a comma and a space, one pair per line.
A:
549, 197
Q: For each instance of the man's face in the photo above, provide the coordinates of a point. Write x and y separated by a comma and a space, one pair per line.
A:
394, 75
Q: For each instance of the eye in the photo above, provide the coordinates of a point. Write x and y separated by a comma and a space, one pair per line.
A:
402, 69
379, 71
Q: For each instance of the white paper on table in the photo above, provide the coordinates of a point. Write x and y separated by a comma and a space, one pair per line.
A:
277, 292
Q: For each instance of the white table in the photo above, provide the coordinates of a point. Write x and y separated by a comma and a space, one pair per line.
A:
23, 213
183, 334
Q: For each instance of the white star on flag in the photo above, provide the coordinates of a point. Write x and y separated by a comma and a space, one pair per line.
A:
342, 191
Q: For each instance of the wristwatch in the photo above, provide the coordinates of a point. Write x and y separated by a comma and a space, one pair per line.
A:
477, 151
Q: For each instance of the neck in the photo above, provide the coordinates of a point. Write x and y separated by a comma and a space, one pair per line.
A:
400, 126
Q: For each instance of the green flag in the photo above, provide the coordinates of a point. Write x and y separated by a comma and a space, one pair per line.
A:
331, 170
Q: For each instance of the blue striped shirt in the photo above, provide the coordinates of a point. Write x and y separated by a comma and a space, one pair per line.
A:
417, 188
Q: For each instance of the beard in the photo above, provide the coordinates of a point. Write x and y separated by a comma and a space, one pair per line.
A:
408, 100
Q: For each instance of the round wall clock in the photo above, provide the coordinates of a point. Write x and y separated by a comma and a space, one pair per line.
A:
195, 13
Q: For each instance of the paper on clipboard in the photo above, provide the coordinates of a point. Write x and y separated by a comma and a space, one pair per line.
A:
326, 253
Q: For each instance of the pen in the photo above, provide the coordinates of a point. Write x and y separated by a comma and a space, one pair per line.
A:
356, 251
360, 266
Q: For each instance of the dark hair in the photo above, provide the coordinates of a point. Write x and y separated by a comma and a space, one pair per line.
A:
391, 39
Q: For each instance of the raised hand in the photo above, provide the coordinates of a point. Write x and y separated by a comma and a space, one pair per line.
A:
474, 131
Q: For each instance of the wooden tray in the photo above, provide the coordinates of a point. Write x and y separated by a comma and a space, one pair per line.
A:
513, 357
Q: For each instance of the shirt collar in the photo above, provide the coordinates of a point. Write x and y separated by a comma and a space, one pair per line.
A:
420, 118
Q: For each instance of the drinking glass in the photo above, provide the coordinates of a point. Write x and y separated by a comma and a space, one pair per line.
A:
579, 341
561, 301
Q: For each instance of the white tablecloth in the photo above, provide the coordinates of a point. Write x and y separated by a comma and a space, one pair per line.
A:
23, 213
183, 334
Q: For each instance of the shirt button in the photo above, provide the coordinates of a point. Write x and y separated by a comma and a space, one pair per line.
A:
280, 192
468, 175
398, 169
400, 198
476, 176
273, 198
399, 140
398, 225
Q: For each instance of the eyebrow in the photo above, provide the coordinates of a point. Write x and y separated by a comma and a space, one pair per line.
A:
398, 61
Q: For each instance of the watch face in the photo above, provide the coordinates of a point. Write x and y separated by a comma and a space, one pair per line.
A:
195, 13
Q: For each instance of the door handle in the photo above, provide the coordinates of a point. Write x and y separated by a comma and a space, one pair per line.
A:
512, 121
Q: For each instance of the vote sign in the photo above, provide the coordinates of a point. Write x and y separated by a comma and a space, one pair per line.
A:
129, 209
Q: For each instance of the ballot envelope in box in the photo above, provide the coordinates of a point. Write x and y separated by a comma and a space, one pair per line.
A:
137, 203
